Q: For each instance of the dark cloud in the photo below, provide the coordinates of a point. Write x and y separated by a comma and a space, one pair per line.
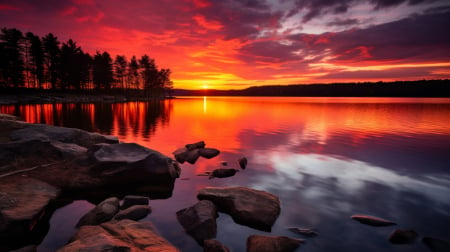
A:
379, 4
269, 51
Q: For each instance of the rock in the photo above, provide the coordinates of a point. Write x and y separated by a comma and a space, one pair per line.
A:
243, 162
208, 152
133, 213
199, 220
124, 162
303, 231
197, 145
214, 246
401, 236
103, 212
372, 221
254, 208
23, 203
436, 244
132, 200
8, 117
223, 173
65, 135
190, 156
261, 243
124, 235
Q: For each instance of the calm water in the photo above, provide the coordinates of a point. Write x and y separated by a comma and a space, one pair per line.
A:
326, 158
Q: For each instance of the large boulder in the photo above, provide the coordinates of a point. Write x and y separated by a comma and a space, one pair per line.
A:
261, 243
23, 203
119, 163
199, 220
254, 208
124, 235
103, 212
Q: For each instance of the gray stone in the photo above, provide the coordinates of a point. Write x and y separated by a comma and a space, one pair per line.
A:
103, 212
132, 200
214, 246
133, 213
124, 235
261, 243
254, 208
402, 236
223, 173
208, 152
199, 220
372, 220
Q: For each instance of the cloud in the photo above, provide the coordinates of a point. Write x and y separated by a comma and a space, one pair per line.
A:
343, 22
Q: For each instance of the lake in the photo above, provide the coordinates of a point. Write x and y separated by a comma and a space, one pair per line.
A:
325, 158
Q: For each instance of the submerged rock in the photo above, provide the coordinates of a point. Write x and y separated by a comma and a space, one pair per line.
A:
372, 221
214, 246
208, 152
223, 173
436, 244
124, 235
261, 243
402, 236
257, 209
190, 156
199, 220
243, 162
103, 212
304, 231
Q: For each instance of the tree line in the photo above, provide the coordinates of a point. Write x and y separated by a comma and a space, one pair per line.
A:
29, 61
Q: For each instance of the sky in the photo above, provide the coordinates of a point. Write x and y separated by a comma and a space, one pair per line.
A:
234, 44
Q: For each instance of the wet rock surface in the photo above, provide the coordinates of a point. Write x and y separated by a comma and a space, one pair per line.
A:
132, 200
124, 235
261, 243
254, 208
199, 220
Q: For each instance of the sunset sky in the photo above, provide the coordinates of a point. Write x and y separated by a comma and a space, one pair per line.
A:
234, 44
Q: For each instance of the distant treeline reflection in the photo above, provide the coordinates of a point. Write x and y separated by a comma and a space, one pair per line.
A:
28, 61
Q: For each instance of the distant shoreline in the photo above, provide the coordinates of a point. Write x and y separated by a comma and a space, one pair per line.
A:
413, 89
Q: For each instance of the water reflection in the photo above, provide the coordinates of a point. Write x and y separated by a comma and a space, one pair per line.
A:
326, 158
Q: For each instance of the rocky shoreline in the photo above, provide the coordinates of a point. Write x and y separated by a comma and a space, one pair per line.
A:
43, 168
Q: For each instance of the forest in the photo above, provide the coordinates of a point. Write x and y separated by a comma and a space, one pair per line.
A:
28, 61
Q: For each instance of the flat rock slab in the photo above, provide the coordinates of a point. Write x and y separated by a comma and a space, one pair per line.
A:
103, 212
124, 235
261, 243
250, 207
23, 201
199, 220
372, 220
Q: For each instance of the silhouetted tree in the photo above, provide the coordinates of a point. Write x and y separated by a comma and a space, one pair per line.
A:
86, 61
149, 73
12, 58
102, 71
35, 59
71, 60
52, 54
133, 73
120, 67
